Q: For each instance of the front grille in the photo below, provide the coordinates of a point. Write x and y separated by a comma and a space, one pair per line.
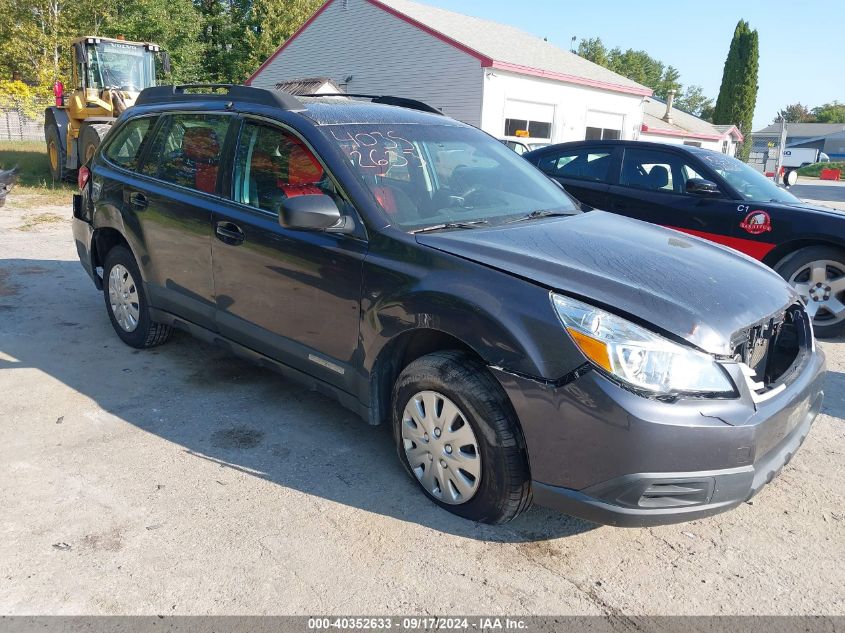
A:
771, 348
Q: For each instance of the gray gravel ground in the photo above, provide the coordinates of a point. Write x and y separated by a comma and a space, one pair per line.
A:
184, 481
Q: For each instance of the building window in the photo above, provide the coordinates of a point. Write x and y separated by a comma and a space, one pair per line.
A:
724, 147
599, 134
692, 143
523, 128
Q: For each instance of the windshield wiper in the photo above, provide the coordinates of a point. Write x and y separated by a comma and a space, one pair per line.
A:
535, 215
451, 225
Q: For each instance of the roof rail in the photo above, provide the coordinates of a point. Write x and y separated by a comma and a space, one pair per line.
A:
401, 102
233, 92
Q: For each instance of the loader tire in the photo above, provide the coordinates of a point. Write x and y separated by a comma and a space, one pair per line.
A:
55, 156
90, 138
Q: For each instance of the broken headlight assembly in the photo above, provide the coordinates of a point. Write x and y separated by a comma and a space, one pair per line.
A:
640, 359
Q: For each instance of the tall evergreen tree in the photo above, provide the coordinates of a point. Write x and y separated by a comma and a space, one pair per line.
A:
738, 93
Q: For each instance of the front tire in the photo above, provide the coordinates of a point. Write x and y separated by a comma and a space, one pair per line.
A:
818, 274
126, 302
458, 437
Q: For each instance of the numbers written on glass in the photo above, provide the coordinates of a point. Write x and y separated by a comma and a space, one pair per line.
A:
372, 150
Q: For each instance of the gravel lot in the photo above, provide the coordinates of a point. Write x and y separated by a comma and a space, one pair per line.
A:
184, 481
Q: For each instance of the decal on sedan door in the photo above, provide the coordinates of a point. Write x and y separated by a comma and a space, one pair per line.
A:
756, 222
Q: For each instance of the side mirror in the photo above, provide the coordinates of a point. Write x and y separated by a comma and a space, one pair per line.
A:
165, 62
316, 212
702, 187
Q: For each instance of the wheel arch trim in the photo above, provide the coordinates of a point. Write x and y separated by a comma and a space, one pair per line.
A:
782, 251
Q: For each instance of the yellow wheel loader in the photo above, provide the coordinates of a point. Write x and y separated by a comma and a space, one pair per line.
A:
107, 76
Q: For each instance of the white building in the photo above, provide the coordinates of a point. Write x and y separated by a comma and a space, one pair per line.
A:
664, 124
503, 80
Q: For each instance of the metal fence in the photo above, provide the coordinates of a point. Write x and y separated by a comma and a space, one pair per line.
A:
22, 119
764, 153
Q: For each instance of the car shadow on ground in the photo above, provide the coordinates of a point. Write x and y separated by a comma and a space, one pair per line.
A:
216, 407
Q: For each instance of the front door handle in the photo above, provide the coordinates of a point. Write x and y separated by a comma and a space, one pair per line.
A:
229, 233
138, 200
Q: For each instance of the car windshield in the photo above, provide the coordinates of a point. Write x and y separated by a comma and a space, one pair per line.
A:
751, 184
428, 175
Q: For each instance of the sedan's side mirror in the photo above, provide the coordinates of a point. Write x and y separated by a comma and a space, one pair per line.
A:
702, 187
315, 212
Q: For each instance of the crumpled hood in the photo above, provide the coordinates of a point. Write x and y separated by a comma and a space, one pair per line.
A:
692, 288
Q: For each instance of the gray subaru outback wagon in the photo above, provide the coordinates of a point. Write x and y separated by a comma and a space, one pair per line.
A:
430, 279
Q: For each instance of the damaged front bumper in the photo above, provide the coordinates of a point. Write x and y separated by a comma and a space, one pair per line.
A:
602, 453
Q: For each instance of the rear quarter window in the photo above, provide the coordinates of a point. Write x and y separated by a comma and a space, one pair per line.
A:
125, 149
585, 164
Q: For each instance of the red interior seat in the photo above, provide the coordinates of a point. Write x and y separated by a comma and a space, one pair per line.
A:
201, 147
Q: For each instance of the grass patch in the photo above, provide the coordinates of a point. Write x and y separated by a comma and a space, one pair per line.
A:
35, 186
37, 197
33, 221
815, 169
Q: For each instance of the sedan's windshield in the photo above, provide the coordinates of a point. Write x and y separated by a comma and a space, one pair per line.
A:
751, 184
427, 175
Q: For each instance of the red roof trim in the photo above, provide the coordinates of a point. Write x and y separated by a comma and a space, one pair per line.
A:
572, 79
680, 133
486, 62
733, 129
285, 44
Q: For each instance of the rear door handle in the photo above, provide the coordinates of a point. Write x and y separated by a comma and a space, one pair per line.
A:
229, 233
138, 200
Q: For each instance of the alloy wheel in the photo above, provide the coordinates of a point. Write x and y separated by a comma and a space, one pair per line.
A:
821, 285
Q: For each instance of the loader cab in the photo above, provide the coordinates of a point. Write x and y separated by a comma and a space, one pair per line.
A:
101, 64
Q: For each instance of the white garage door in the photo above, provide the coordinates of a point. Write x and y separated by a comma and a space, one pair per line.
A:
604, 125
527, 119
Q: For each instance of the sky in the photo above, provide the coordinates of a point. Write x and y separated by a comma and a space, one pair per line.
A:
802, 44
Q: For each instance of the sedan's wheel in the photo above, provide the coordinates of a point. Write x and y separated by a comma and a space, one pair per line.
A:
458, 436
441, 447
126, 301
818, 274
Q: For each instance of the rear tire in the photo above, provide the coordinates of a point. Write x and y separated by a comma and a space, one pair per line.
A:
818, 274
90, 139
126, 302
502, 490
55, 156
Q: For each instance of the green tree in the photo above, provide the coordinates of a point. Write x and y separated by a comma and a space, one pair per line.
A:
830, 113
795, 113
668, 81
35, 40
594, 50
173, 24
738, 93
268, 24
694, 101
636, 65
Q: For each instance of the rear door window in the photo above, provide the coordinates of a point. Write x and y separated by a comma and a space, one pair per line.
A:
187, 150
580, 164
653, 170
125, 149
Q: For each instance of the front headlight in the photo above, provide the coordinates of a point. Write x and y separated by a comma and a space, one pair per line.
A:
638, 357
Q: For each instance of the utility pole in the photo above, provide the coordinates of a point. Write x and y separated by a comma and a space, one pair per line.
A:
781, 147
